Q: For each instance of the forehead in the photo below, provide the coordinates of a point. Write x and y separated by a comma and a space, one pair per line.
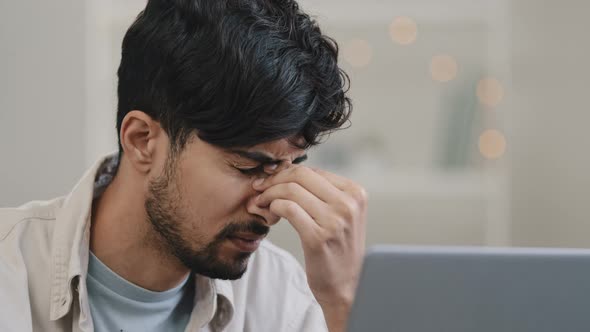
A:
281, 150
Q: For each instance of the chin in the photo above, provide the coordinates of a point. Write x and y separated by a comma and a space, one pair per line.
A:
223, 268
225, 273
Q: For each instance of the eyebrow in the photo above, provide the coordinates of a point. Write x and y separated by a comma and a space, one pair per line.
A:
263, 158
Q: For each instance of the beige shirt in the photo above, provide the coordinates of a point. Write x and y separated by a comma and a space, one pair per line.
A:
44, 247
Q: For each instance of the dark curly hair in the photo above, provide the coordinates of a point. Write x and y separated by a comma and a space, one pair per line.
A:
235, 72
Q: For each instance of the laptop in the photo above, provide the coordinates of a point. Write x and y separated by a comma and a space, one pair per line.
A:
472, 289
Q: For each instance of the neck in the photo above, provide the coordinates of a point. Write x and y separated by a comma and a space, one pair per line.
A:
121, 237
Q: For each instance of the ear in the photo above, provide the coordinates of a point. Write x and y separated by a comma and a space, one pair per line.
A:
139, 140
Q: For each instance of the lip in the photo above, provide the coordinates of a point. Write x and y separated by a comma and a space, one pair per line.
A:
248, 236
246, 242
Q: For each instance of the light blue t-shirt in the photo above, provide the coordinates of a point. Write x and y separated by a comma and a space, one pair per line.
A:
117, 305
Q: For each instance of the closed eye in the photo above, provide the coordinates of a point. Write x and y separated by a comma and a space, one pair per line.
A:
259, 170
252, 171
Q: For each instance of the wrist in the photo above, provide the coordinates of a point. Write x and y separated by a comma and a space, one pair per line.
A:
336, 313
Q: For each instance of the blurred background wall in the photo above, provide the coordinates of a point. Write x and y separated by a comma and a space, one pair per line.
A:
469, 125
550, 139
42, 98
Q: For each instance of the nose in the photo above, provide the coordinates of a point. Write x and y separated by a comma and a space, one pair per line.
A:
282, 165
269, 217
264, 212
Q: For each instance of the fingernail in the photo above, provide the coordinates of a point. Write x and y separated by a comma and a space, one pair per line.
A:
258, 182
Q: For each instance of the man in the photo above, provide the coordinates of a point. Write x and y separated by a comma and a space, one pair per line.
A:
218, 103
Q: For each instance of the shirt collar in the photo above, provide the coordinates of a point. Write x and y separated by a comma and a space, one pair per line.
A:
214, 304
71, 240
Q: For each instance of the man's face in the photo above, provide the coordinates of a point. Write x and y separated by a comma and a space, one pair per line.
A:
201, 207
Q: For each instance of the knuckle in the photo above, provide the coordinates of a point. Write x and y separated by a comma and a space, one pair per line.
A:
335, 229
316, 244
348, 183
299, 171
324, 237
291, 208
349, 209
341, 227
359, 194
276, 206
356, 203
291, 188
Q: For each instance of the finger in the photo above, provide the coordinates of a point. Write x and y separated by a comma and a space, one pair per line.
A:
338, 181
308, 179
269, 217
304, 225
292, 191
348, 186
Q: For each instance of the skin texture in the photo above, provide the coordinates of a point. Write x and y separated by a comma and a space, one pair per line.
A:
167, 214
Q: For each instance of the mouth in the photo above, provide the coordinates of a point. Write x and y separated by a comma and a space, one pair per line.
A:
246, 242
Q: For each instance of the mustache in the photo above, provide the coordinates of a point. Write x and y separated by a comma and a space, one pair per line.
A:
249, 227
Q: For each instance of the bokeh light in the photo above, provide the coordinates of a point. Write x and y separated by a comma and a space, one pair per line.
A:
403, 30
357, 52
492, 144
490, 92
443, 68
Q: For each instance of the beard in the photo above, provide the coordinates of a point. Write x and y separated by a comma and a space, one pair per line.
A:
163, 209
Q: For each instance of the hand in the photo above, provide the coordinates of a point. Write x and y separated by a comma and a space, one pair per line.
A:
329, 214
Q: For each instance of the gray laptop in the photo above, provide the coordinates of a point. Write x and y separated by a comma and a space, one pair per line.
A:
473, 289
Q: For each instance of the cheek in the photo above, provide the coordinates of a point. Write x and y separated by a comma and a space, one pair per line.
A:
215, 198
